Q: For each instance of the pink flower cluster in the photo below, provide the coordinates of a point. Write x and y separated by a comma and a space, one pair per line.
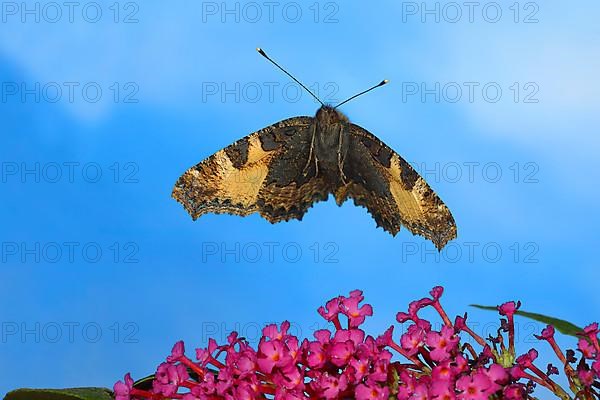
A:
345, 363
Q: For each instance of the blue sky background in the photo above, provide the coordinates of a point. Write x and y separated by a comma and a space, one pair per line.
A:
181, 281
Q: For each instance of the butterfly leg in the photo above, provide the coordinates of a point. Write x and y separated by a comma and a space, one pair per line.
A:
310, 154
339, 155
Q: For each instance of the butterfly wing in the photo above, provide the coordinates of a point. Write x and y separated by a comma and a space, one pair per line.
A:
392, 191
265, 172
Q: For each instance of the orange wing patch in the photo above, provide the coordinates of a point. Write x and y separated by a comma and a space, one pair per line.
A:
408, 205
242, 185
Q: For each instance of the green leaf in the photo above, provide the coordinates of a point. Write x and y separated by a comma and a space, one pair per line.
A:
91, 393
564, 327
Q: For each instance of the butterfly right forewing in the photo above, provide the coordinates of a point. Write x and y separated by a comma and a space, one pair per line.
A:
393, 192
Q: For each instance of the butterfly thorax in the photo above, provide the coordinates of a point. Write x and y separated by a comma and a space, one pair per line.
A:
330, 142
327, 115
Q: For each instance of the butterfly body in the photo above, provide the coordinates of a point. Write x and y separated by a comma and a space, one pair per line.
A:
281, 170
331, 143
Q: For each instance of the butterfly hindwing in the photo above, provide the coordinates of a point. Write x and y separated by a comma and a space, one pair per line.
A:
264, 172
393, 192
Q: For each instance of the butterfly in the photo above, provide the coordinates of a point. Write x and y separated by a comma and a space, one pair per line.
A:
282, 170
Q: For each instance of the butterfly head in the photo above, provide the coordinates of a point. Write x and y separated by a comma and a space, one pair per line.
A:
327, 115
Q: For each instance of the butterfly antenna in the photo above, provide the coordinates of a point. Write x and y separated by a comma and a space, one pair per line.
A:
262, 53
383, 82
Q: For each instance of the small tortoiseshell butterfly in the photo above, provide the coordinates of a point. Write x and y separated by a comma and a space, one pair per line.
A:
281, 170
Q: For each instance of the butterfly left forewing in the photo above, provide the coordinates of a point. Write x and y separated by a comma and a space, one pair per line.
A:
263, 172
393, 192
